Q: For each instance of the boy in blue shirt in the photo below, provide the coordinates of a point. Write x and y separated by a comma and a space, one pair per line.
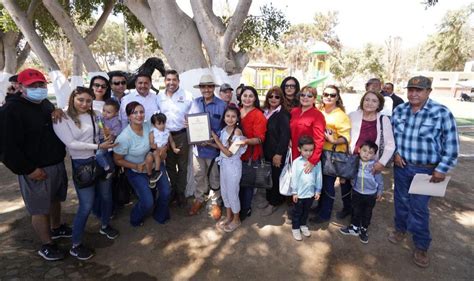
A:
304, 186
367, 188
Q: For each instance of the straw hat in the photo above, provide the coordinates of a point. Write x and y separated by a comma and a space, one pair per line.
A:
206, 80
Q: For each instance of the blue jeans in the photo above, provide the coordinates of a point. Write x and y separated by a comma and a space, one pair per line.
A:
245, 196
328, 193
411, 210
104, 159
144, 206
86, 198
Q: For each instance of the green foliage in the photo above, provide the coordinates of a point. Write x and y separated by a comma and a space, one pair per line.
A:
346, 66
452, 44
262, 30
371, 58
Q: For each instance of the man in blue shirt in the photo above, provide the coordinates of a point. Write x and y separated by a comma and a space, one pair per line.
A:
427, 142
204, 155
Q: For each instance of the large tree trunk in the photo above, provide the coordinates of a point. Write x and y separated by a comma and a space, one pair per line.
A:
21, 20
78, 43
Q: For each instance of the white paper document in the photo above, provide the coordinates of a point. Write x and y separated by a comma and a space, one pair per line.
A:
234, 147
421, 185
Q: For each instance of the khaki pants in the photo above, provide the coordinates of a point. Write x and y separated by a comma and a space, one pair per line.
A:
202, 168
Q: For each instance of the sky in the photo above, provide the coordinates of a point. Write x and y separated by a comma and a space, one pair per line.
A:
364, 21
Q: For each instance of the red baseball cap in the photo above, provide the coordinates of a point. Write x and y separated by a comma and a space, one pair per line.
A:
30, 76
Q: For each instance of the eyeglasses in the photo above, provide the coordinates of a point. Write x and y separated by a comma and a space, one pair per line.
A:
274, 97
326, 95
292, 86
119, 83
306, 96
97, 85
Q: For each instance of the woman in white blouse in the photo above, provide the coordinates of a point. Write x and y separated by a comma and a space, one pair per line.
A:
79, 132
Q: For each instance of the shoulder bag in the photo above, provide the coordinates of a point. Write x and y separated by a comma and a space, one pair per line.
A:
256, 173
339, 164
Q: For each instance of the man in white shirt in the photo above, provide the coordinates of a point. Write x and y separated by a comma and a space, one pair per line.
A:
175, 103
142, 94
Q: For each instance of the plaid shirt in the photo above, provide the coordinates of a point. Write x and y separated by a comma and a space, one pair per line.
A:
428, 136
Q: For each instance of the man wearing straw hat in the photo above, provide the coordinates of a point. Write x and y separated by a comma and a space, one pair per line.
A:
206, 172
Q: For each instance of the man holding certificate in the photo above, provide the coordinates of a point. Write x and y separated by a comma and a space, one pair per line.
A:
206, 172
426, 143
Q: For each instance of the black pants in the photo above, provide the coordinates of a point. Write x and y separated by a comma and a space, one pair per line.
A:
177, 164
273, 195
362, 206
301, 212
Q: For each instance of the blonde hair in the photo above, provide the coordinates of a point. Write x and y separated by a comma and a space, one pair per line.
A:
71, 110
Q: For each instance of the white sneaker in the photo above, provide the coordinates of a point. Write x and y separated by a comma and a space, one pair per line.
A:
297, 234
304, 229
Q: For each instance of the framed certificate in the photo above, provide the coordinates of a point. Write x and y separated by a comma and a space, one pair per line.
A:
199, 128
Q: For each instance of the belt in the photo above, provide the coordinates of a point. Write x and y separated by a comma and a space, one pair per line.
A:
178, 132
429, 166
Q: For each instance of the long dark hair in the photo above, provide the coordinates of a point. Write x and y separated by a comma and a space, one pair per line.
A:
256, 103
295, 102
237, 124
107, 94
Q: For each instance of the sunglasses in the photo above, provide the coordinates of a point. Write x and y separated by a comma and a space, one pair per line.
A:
306, 96
97, 85
274, 97
119, 83
292, 86
326, 95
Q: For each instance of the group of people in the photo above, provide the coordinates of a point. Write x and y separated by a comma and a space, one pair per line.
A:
145, 133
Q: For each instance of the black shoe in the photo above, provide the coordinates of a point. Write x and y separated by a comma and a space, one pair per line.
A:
245, 214
110, 232
81, 252
62, 231
51, 252
342, 214
363, 236
318, 220
349, 230
155, 176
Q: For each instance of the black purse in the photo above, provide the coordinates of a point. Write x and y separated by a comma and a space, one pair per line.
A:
122, 190
256, 173
339, 164
86, 175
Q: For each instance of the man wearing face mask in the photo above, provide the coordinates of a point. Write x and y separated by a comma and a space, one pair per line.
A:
34, 152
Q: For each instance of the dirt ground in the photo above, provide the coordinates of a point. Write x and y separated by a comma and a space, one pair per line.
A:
190, 248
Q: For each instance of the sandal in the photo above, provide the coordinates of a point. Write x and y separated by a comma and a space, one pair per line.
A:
222, 223
231, 227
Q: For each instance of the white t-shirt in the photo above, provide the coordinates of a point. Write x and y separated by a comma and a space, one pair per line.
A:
161, 137
149, 103
175, 108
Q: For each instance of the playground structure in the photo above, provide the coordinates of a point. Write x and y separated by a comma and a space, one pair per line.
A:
263, 75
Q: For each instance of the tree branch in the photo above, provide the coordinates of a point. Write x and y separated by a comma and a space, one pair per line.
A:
30, 13
99, 25
22, 56
142, 11
236, 23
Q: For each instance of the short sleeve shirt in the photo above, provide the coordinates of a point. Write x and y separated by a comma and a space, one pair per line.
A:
133, 146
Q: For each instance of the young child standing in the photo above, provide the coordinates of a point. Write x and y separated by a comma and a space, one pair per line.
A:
111, 127
305, 187
159, 138
367, 188
231, 149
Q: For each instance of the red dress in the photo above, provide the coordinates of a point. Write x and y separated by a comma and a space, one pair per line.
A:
310, 123
254, 125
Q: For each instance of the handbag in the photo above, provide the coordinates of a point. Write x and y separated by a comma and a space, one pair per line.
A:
340, 164
87, 174
285, 176
121, 191
256, 173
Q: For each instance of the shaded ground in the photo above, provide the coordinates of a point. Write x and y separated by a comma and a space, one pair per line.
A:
263, 248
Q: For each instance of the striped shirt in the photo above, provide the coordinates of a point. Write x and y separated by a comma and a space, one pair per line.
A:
428, 136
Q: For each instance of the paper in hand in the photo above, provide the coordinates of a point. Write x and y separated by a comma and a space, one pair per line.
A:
234, 147
421, 185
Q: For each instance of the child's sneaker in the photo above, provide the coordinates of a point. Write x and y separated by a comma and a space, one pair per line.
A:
297, 234
363, 236
81, 252
151, 185
349, 230
108, 175
62, 231
305, 231
155, 176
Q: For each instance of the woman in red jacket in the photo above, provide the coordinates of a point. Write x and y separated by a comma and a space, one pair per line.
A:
307, 120
254, 127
